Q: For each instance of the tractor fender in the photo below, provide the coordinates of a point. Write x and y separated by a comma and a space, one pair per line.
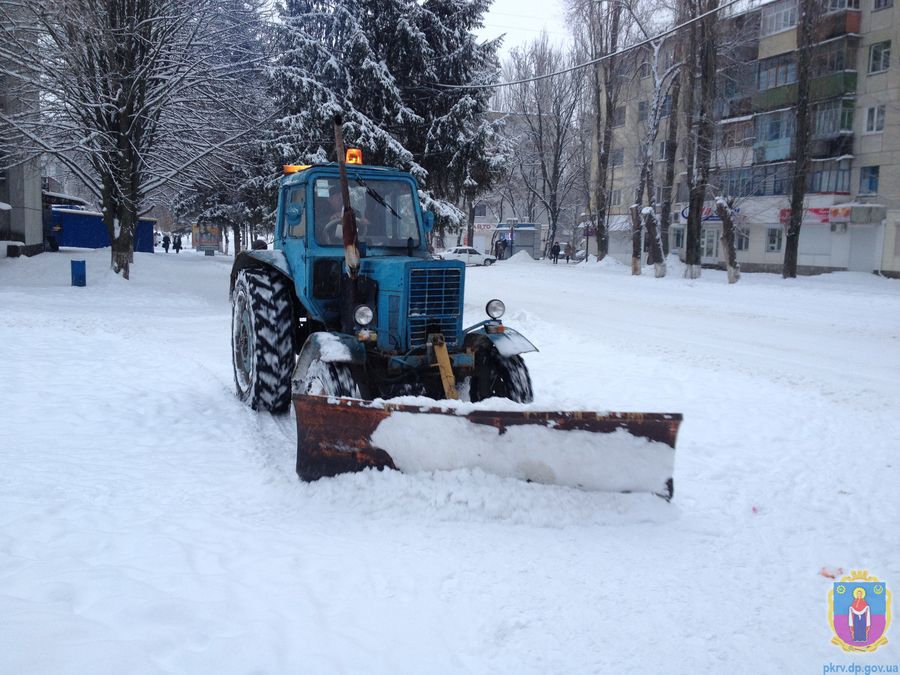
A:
331, 348
261, 258
508, 343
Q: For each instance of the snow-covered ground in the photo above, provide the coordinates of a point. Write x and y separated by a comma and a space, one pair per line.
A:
149, 523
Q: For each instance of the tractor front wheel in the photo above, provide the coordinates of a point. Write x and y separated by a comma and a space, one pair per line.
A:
324, 378
496, 375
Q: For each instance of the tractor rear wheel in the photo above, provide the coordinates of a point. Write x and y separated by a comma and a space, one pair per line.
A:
261, 339
496, 375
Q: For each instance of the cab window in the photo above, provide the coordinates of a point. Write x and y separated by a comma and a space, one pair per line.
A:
295, 213
385, 211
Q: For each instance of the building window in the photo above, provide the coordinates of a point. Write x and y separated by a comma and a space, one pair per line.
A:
736, 183
619, 116
645, 69
832, 117
875, 119
643, 107
772, 179
741, 240
480, 210
775, 126
777, 72
677, 237
837, 5
615, 197
666, 108
737, 134
830, 58
661, 150
774, 239
777, 17
880, 57
868, 180
617, 157
882, 4
829, 176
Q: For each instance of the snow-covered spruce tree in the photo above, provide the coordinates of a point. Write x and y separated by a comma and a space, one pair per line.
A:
326, 64
379, 64
464, 153
133, 94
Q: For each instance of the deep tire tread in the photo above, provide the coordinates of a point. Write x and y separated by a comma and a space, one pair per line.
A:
270, 305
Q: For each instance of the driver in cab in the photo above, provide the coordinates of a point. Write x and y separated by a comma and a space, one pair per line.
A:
329, 218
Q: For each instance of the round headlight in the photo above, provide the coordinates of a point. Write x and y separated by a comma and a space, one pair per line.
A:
495, 308
363, 315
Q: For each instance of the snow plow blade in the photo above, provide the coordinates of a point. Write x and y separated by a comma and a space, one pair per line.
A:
610, 452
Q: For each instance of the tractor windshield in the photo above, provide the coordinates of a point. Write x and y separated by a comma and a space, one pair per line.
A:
385, 212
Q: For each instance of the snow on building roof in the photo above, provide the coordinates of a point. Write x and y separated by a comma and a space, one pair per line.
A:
742, 118
62, 195
619, 224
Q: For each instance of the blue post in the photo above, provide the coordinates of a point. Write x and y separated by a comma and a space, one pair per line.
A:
79, 274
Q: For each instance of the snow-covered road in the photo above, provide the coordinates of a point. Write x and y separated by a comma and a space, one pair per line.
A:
149, 523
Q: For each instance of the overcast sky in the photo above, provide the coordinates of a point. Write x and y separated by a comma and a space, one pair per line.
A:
522, 21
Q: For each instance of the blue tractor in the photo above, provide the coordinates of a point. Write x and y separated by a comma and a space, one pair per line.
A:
351, 306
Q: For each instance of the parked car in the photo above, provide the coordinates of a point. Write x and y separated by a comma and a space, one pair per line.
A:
468, 255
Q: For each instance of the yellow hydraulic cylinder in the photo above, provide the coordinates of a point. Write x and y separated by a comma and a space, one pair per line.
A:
443, 364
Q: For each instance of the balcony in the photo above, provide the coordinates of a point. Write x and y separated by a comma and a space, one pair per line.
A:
777, 97
833, 84
772, 151
838, 23
833, 146
827, 86
734, 107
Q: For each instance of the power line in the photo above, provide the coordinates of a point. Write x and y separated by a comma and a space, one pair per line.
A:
620, 52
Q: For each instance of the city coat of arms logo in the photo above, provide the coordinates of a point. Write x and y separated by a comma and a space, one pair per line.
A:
859, 612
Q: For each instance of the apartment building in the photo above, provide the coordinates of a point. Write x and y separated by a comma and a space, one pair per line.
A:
20, 190
852, 215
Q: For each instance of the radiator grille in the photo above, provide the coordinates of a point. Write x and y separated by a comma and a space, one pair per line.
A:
434, 305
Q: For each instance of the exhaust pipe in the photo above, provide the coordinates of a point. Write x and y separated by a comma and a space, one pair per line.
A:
348, 217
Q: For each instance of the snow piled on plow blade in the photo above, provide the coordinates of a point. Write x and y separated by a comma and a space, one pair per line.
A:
613, 452
608, 462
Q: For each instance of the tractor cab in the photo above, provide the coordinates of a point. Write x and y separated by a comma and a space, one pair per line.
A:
397, 275
385, 202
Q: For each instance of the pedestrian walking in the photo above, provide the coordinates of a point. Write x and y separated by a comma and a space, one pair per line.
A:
568, 251
166, 242
177, 244
554, 252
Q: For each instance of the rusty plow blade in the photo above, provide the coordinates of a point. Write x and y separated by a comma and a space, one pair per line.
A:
610, 452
